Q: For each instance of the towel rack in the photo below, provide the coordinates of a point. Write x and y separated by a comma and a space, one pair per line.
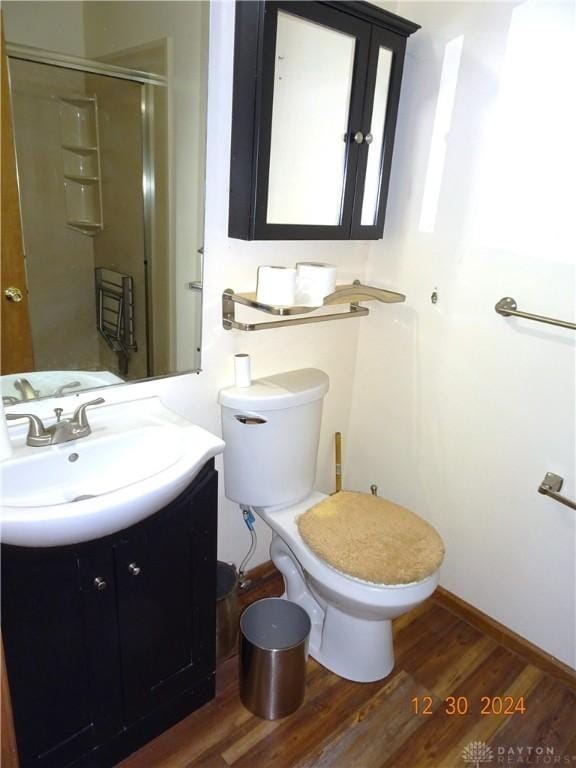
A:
115, 313
344, 294
551, 485
507, 307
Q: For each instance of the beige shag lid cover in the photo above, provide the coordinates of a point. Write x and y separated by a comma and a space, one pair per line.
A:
372, 538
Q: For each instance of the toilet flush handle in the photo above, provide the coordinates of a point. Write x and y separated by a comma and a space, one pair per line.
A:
249, 419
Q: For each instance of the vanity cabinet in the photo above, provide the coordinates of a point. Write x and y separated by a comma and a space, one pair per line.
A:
109, 643
316, 92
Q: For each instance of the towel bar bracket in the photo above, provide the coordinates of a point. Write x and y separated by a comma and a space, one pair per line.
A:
551, 486
507, 307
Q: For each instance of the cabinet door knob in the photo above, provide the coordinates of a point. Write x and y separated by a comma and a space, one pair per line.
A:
13, 294
358, 137
134, 570
369, 138
99, 583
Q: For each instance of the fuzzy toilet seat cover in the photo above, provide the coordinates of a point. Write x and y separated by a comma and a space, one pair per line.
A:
371, 538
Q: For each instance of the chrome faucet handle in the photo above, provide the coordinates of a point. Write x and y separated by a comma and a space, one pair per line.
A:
37, 432
79, 417
71, 385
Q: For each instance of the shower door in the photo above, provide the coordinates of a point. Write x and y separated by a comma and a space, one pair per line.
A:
79, 149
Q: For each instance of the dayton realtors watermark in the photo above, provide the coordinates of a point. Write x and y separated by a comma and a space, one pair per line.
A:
532, 756
478, 754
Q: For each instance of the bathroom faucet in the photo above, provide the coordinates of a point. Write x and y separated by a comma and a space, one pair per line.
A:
26, 389
62, 431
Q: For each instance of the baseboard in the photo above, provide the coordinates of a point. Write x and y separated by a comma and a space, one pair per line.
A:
262, 572
506, 637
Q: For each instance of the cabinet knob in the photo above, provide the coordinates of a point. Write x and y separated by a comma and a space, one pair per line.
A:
369, 138
358, 137
99, 583
13, 294
134, 570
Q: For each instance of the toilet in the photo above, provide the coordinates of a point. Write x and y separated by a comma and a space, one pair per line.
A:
271, 429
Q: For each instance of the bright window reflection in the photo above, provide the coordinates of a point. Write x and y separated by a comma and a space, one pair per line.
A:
526, 187
438, 145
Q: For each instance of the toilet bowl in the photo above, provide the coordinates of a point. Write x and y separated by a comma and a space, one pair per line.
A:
271, 430
351, 619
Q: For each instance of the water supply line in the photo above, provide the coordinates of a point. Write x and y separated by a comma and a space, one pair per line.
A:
249, 519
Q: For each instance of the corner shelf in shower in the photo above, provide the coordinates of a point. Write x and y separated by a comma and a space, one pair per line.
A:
350, 294
82, 177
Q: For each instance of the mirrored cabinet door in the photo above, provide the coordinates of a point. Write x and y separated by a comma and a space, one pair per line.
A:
379, 122
316, 89
313, 70
310, 106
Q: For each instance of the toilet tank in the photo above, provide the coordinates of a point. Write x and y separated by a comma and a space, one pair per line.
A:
271, 430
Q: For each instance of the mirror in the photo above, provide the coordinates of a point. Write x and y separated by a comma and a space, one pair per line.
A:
376, 146
309, 125
109, 112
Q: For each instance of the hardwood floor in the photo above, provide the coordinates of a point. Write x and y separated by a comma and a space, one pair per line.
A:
349, 725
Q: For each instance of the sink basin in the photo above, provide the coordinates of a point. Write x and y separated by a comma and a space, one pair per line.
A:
139, 457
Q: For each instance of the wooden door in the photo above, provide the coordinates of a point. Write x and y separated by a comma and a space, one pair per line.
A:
9, 754
16, 340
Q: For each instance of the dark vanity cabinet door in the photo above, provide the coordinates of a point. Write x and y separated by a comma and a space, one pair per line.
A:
165, 581
316, 92
108, 643
45, 642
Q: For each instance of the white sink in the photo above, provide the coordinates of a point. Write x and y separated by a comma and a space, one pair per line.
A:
139, 457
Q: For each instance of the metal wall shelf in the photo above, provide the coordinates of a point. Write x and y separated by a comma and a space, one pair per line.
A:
344, 294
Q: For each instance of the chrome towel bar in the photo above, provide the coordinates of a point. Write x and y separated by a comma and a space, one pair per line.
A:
551, 485
507, 307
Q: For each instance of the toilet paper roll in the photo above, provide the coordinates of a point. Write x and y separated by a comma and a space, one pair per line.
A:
5, 444
243, 376
314, 281
276, 286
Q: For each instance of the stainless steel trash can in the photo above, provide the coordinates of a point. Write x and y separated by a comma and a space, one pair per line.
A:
273, 651
227, 610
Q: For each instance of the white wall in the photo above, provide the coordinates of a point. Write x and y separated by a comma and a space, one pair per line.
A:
54, 26
458, 413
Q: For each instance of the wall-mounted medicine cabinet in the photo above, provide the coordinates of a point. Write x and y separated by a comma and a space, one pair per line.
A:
316, 92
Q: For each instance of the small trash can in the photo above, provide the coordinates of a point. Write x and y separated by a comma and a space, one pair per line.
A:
273, 651
227, 610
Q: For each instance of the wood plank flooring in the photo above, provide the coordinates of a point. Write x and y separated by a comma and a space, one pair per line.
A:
350, 725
